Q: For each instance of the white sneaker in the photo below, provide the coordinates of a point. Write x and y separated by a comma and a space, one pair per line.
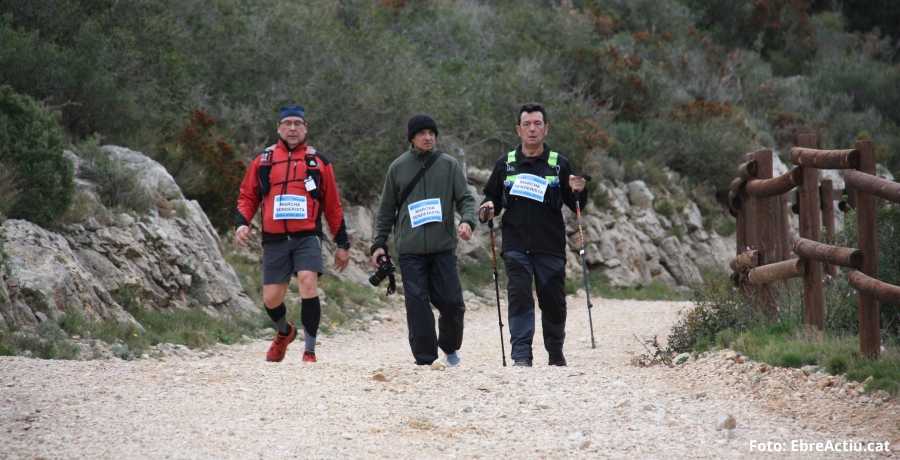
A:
453, 359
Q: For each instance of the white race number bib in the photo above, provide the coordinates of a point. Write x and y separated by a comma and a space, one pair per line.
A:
425, 211
289, 207
529, 186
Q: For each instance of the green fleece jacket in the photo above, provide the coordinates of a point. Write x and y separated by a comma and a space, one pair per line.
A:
444, 181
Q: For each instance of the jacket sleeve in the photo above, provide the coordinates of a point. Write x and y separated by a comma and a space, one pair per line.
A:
387, 210
568, 195
465, 202
493, 189
333, 210
248, 199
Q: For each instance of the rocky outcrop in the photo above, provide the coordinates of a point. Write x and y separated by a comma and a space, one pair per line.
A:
101, 271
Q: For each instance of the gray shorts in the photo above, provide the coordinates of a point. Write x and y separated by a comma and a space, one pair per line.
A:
283, 259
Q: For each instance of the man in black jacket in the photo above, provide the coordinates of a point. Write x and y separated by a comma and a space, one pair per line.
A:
532, 183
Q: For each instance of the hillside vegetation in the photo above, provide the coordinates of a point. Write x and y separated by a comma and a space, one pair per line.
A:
631, 86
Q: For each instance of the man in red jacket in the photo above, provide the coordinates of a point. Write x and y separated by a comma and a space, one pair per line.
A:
294, 186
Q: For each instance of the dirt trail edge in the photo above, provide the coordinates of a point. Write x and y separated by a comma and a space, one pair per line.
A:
366, 399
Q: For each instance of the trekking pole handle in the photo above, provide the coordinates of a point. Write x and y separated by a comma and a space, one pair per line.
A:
586, 178
483, 214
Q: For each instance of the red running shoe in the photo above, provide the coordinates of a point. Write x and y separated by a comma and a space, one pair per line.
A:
280, 344
309, 356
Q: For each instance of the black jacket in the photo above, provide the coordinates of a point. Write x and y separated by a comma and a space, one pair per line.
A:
530, 226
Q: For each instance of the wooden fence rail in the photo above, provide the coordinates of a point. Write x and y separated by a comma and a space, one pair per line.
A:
764, 255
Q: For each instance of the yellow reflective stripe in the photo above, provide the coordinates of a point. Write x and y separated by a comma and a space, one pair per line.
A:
552, 162
511, 159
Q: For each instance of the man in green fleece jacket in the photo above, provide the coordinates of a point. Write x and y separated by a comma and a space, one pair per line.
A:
425, 237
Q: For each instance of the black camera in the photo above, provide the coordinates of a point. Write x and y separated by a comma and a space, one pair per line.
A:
385, 270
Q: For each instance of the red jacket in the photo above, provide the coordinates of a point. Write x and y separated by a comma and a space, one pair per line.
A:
276, 172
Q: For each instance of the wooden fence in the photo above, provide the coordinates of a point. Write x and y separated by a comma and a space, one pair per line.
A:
764, 249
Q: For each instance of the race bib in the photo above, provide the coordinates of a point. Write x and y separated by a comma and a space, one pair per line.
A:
289, 207
425, 211
529, 186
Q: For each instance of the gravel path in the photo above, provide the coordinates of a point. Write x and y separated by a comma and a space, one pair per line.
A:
365, 399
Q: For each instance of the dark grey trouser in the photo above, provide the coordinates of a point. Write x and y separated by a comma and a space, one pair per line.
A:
432, 278
549, 274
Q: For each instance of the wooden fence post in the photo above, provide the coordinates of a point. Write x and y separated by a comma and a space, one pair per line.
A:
810, 228
748, 217
826, 196
785, 230
867, 240
767, 231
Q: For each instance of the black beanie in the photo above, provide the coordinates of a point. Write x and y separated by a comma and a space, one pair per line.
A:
417, 123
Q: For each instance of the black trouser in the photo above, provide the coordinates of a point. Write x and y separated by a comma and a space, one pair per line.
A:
549, 274
432, 278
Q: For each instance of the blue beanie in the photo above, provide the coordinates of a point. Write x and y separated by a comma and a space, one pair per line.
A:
291, 111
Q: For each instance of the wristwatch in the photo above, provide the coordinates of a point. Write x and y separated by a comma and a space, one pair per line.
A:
345, 245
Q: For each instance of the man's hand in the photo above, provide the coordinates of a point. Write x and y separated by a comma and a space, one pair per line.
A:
341, 259
465, 231
576, 183
490, 206
241, 235
375, 255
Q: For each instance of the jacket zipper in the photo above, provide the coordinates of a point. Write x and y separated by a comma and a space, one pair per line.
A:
287, 177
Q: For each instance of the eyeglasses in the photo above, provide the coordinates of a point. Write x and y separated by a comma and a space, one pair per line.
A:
292, 124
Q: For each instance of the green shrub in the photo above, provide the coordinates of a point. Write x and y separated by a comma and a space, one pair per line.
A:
716, 307
836, 365
725, 337
701, 346
795, 360
664, 207
31, 142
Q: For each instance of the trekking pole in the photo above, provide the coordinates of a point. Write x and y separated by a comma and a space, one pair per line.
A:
587, 287
484, 219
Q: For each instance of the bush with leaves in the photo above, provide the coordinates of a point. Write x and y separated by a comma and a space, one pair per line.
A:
220, 170
30, 141
717, 306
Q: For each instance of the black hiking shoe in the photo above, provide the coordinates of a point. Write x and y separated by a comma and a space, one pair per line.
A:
557, 359
523, 362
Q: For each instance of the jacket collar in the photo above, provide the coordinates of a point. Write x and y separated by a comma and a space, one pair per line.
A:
420, 155
300, 148
520, 157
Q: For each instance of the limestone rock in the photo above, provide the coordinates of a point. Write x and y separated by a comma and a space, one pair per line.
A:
725, 421
673, 257
639, 195
692, 216
97, 271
